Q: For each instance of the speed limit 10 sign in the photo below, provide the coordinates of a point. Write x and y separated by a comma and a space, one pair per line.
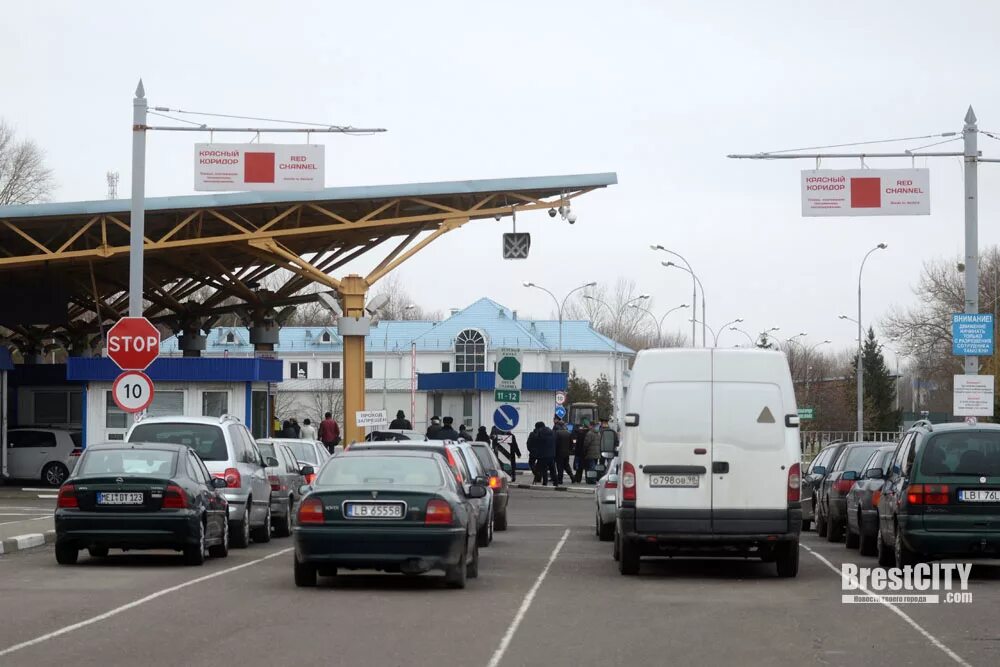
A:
132, 391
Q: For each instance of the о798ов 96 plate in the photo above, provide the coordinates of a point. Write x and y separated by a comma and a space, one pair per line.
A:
674, 480
368, 510
979, 495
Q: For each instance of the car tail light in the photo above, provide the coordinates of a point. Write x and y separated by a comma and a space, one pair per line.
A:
67, 496
232, 477
494, 482
843, 486
311, 511
275, 483
310, 478
611, 485
174, 498
628, 481
794, 483
77, 451
928, 494
876, 496
438, 513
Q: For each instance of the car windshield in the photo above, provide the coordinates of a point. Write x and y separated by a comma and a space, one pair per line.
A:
856, 457
304, 451
151, 462
975, 453
380, 471
483, 454
207, 441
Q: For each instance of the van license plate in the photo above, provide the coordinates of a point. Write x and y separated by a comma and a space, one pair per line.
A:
979, 495
674, 480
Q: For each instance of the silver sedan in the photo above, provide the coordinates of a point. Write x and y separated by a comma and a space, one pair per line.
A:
604, 496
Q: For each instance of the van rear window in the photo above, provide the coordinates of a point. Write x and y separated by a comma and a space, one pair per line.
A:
967, 454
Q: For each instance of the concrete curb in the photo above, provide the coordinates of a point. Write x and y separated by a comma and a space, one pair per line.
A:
27, 541
565, 489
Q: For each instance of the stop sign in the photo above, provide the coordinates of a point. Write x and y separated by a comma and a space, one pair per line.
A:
133, 343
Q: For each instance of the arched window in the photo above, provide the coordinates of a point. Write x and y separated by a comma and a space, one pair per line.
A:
470, 351
230, 338
325, 337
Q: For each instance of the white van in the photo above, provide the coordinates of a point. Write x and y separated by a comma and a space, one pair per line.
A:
709, 458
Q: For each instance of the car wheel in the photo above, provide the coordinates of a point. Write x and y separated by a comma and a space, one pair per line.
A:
597, 524
483, 535
886, 558
500, 522
787, 559
54, 474
305, 574
98, 552
221, 550
262, 534
866, 544
616, 549
834, 530
820, 524
454, 576
805, 525
605, 531
240, 531
904, 556
284, 527
194, 554
628, 561
472, 570
66, 554
851, 538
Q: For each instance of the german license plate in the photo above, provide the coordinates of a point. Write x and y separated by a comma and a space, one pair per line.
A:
365, 510
119, 498
979, 495
674, 480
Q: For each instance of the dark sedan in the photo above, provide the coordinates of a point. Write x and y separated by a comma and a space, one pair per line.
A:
831, 501
862, 501
389, 510
814, 475
154, 496
499, 481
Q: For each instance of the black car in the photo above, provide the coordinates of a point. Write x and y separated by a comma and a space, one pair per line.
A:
831, 498
499, 481
862, 501
389, 510
151, 496
811, 480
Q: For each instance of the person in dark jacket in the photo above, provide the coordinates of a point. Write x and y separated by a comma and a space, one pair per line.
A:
545, 453
580, 448
401, 422
564, 447
464, 433
446, 432
482, 435
287, 430
434, 427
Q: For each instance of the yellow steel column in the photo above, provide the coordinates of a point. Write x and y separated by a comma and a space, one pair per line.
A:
352, 301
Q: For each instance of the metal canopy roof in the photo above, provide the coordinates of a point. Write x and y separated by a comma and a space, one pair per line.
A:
228, 243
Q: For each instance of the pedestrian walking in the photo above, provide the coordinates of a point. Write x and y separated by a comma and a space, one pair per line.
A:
533, 455
434, 427
592, 451
545, 453
465, 434
296, 429
287, 430
401, 422
446, 432
308, 431
579, 448
564, 447
329, 432
482, 435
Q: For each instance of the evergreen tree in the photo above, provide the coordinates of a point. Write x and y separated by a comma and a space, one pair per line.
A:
765, 342
578, 390
603, 396
879, 386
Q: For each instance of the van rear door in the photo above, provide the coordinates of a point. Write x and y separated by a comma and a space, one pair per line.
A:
674, 449
753, 448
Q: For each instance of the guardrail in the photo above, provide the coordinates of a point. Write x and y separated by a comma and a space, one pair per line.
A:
813, 441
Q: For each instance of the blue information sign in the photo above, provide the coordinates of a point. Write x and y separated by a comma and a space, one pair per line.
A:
560, 411
972, 334
506, 417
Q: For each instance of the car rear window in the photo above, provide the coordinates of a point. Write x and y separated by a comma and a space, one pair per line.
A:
149, 462
976, 453
266, 450
304, 451
483, 454
856, 457
207, 441
380, 472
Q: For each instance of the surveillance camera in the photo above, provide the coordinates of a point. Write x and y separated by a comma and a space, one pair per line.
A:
497, 217
571, 218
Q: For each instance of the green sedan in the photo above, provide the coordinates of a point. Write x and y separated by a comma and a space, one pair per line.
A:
394, 511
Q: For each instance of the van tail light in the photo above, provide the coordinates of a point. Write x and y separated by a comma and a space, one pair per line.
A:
928, 494
438, 513
494, 482
794, 490
232, 477
843, 486
275, 483
311, 511
628, 482
174, 498
67, 497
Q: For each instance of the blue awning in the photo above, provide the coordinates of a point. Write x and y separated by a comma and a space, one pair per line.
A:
181, 369
6, 363
484, 380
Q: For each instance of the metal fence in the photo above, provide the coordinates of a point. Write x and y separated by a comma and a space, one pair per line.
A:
813, 441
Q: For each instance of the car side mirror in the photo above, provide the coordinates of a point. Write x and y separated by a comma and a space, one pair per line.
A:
476, 491
849, 476
632, 419
271, 462
307, 470
873, 473
218, 483
819, 470
507, 468
480, 481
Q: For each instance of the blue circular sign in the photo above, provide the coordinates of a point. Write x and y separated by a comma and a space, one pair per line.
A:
560, 411
506, 417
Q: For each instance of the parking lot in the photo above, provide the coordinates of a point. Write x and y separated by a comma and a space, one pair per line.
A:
549, 593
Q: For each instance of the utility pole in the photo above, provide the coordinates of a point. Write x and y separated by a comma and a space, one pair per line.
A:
970, 134
137, 221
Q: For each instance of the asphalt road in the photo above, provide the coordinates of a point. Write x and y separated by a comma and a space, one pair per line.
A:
548, 594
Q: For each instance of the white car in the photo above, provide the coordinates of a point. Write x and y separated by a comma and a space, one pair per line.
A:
710, 458
48, 454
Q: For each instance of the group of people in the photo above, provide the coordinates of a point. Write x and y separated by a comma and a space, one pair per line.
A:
444, 429
550, 449
328, 431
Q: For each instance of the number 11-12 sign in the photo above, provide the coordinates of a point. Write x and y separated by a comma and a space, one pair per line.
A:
132, 391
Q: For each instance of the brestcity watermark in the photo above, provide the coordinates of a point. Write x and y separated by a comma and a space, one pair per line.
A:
924, 583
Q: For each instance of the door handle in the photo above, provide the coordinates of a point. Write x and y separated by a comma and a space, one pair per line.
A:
720, 467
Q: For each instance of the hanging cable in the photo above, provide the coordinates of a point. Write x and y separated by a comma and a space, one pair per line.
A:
862, 143
345, 128
936, 143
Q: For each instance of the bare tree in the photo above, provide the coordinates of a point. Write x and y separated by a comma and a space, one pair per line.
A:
24, 178
327, 398
398, 299
617, 319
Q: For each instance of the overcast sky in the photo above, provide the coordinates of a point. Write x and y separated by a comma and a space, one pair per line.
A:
658, 92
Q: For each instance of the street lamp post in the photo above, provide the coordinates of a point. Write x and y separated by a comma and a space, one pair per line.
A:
697, 280
616, 318
861, 379
385, 359
723, 328
809, 352
694, 291
559, 308
749, 337
658, 322
764, 334
704, 326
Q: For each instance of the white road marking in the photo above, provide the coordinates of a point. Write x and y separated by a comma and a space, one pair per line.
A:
48, 490
509, 635
44, 495
46, 512
135, 603
537, 525
37, 518
896, 610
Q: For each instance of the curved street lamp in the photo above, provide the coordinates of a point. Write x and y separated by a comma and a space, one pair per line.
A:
559, 309
658, 322
738, 320
694, 289
702, 288
749, 337
861, 377
616, 318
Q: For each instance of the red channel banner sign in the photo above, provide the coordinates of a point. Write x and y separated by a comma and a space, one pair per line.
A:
853, 192
268, 167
